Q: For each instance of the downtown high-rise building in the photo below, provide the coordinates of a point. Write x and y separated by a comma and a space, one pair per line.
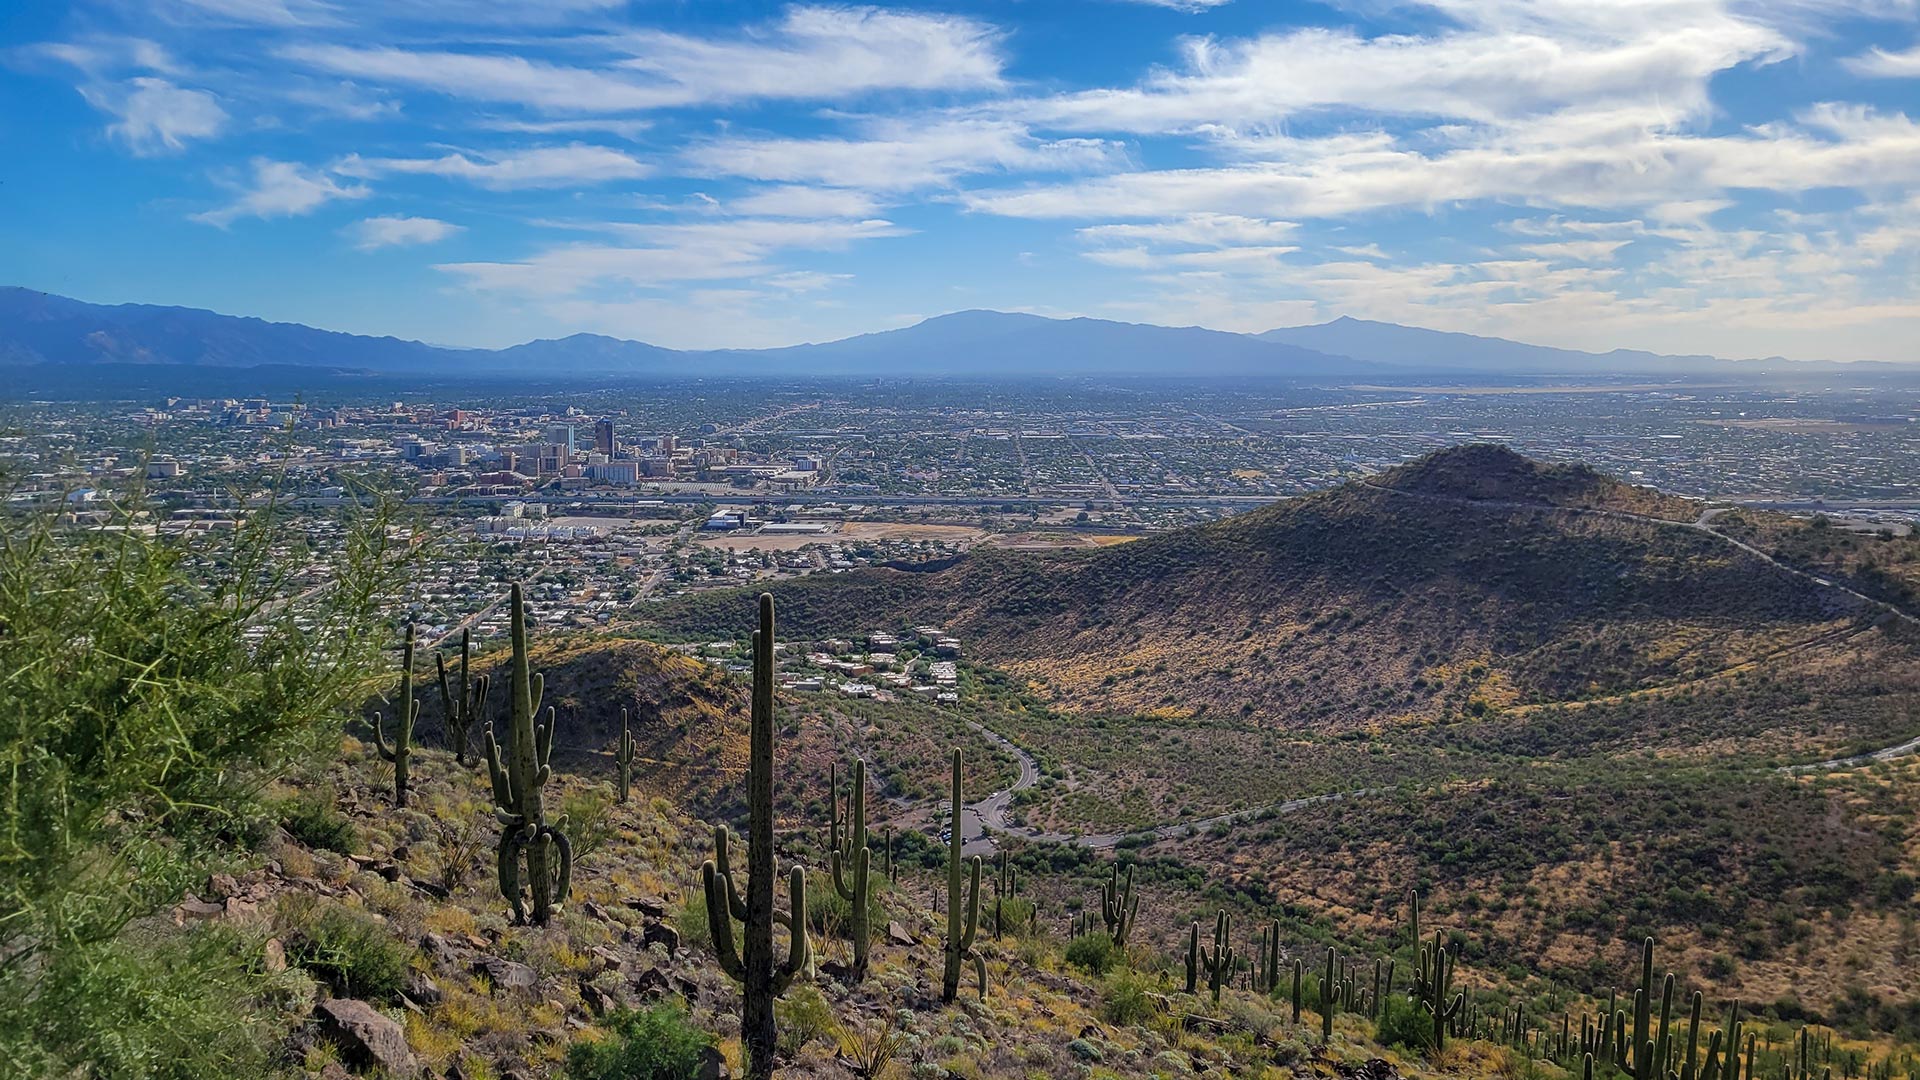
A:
603, 440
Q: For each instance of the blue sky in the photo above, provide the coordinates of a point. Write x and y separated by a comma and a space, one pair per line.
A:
1681, 175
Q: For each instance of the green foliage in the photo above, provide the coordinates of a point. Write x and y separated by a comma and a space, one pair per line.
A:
1093, 953
659, 1043
1127, 998
351, 952
151, 688
148, 1007
1402, 1024
311, 818
588, 813
804, 1016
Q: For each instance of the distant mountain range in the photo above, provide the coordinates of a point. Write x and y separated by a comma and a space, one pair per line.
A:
39, 328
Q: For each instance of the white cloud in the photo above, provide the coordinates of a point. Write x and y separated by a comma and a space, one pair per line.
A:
374, 233
1197, 229
155, 116
1191, 7
812, 53
281, 189
896, 154
797, 200
625, 129
1507, 61
1576, 251
827, 52
659, 254
273, 13
1881, 63
1837, 147
543, 167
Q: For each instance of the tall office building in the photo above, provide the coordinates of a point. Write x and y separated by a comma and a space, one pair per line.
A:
603, 442
562, 435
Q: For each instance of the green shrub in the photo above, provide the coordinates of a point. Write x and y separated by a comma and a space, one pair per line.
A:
1016, 911
691, 923
655, 1044
148, 1006
1403, 1024
1127, 999
310, 817
589, 814
1093, 953
804, 1016
353, 954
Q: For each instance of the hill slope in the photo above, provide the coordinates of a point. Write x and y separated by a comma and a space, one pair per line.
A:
1468, 580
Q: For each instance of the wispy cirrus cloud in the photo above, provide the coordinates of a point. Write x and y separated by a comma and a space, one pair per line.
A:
574, 165
811, 53
280, 189
649, 255
374, 233
1886, 64
154, 116
894, 154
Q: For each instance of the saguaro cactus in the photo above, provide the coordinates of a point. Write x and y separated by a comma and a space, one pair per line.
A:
1331, 992
1431, 983
519, 783
1218, 960
465, 707
1270, 957
1004, 888
960, 927
753, 967
1193, 957
623, 755
1118, 906
850, 863
1299, 976
406, 711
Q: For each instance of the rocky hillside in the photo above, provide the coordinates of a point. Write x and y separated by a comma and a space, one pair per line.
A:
1470, 580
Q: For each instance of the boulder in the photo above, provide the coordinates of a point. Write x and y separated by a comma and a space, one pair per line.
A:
505, 974
422, 988
657, 933
366, 1038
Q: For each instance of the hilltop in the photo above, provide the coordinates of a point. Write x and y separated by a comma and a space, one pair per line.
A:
1471, 579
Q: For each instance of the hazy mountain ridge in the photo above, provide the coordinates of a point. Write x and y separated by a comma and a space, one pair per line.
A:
39, 328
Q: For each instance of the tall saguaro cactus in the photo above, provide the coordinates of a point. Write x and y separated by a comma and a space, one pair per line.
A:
1118, 905
1431, 983
761, 979
851, 860
961, 925
1270, 957
1193, 957
1331, 993
407, 710
624, 755
1218, 961
519, 783
466, 706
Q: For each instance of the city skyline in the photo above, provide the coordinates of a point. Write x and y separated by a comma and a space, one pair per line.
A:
1679, 176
